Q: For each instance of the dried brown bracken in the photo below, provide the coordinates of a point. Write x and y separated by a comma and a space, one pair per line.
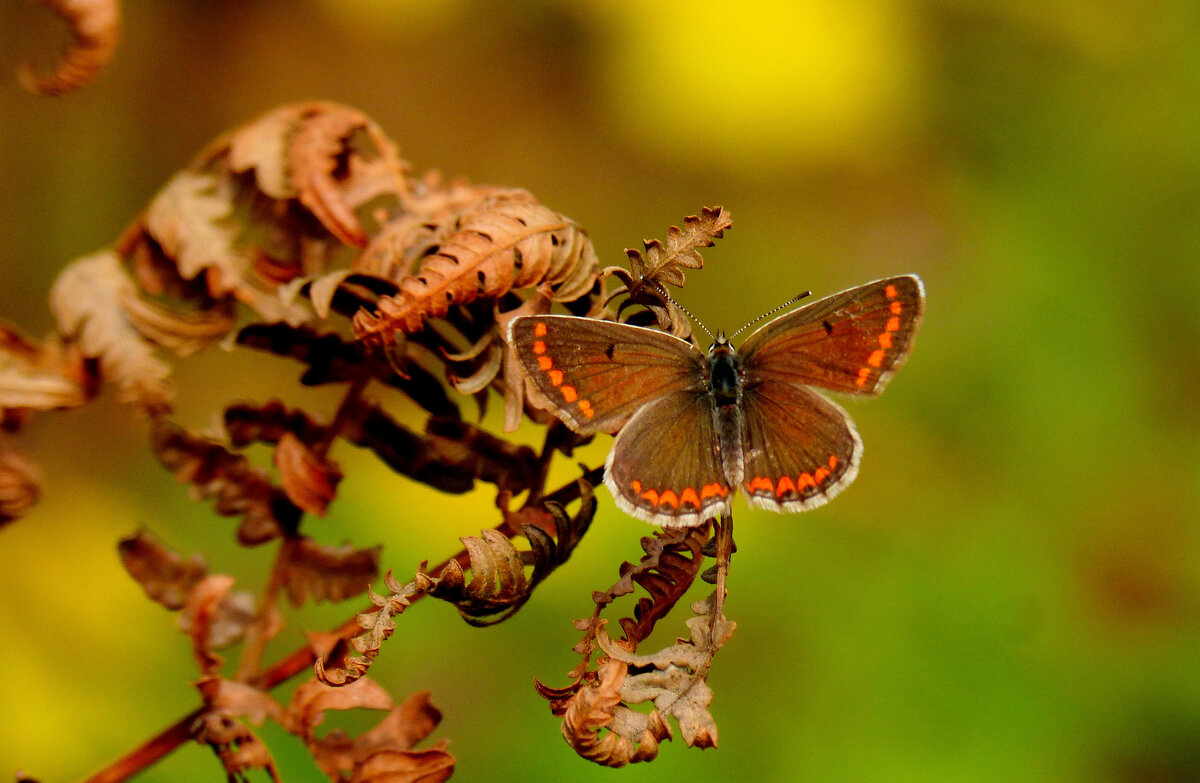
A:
303, 235
95, 27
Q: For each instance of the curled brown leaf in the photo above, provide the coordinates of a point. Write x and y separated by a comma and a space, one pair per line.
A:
202, 613
510, 241
237, 487
326, 573
588, 725
39, 376
309, 480
87, 303
164, 575
20, 485
95, 27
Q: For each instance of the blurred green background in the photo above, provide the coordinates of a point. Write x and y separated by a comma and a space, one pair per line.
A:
1011, 589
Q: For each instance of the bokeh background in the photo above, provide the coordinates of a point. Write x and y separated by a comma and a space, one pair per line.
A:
1011, 589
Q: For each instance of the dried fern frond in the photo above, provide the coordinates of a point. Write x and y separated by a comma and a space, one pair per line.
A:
95, 27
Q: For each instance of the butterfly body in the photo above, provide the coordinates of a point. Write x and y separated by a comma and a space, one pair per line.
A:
692, 428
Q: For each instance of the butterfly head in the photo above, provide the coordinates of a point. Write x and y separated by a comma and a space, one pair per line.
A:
724, 378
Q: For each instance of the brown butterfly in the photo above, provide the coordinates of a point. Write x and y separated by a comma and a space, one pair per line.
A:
694, 427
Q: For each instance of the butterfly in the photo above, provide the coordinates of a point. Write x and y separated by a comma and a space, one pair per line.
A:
692, 428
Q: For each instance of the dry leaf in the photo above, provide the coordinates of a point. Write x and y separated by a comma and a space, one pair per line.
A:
202, 612
664, 265
86, 302
379, 626
392, 738
184, 333
313, 156
509, 242
237, 487
95, 28
326, 573
190, 218
594, 709
309, 481
237, 699
432, 765
20, 485
164, 575
236, 747
37, 376
675, 678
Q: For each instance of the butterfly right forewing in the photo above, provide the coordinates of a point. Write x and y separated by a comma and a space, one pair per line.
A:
595, 374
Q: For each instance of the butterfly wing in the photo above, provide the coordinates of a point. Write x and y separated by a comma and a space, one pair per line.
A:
665, 465
595, 374
799, 449
851, 342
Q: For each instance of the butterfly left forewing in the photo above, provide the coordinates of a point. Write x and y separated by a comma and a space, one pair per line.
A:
595, 374
851, 342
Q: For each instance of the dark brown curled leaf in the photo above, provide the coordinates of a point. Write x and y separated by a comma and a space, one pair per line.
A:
237, 487
488, 458
268, 422
164, 575
317, 572
669, 567
95, 28
330, 359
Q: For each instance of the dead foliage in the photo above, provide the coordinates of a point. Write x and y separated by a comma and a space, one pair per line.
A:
304, 238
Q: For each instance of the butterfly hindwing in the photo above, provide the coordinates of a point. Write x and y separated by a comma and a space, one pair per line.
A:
665, 465
799, 449
851, 342
595, 374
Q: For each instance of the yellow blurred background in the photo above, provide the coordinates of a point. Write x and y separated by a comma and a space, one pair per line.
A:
1011, 589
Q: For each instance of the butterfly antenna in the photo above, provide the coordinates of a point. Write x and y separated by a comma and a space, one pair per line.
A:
772, 311
687, 312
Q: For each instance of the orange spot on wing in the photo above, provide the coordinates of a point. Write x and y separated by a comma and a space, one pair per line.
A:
569, 394
689, 497
805, 480
785, 485
669, 498
833, 462
539, 329
820, 475
896, 308
893, 325
885, 340
876, 358
650, 495
545, 362
636, 486
863, 374
760, 482
890, 291
713, 491
539, 346
586, 407
555, 377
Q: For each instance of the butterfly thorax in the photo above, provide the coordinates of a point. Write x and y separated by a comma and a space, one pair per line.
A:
724, 381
